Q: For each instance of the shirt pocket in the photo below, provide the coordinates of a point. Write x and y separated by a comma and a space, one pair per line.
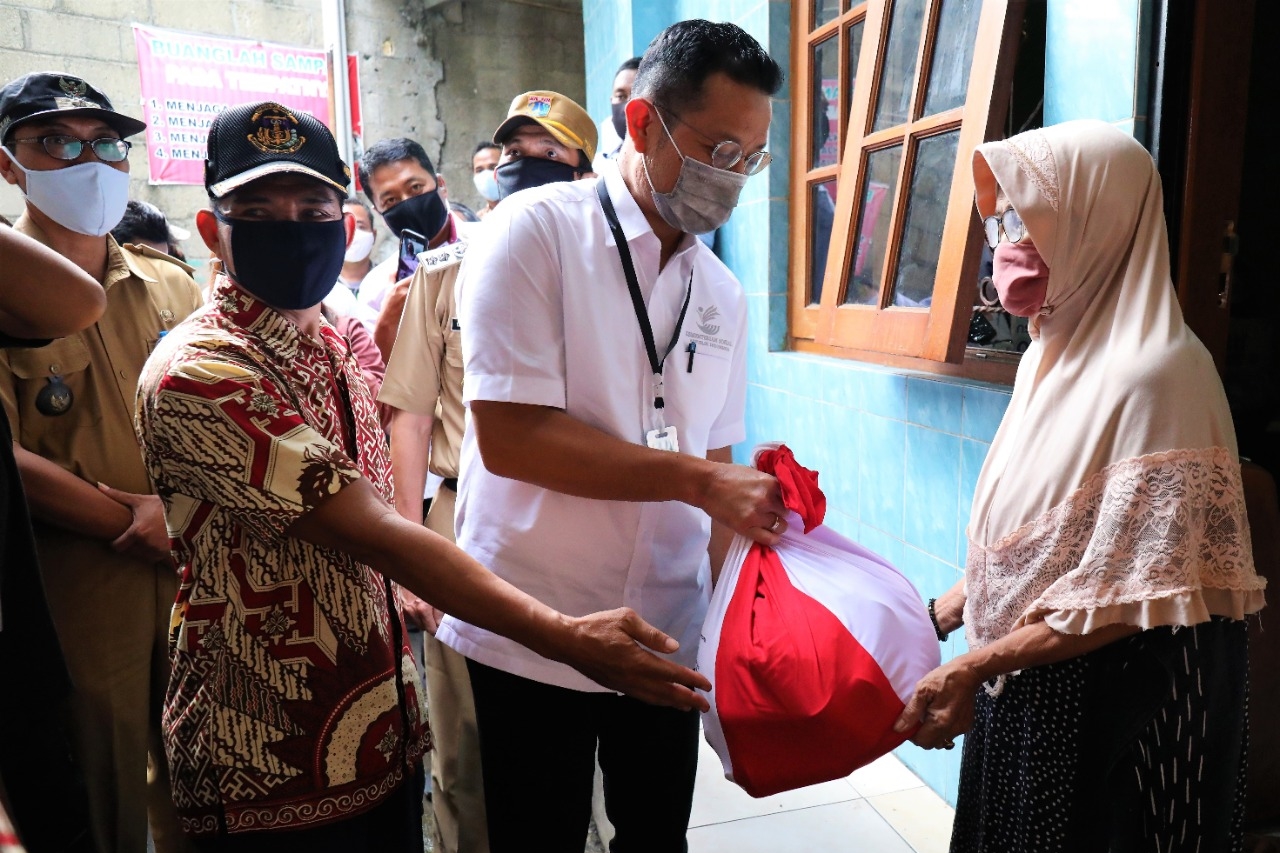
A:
453, 346
45, 409
700, 393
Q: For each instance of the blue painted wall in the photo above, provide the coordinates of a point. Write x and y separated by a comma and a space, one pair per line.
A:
899, 452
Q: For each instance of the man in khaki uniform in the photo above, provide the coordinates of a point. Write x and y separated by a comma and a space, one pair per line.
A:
423, 384
100, 533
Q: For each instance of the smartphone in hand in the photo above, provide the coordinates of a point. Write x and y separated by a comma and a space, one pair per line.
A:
411, 245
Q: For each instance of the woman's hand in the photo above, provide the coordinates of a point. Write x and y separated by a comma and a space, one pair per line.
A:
942, 706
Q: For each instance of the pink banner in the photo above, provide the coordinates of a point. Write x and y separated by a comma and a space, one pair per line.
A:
187, 79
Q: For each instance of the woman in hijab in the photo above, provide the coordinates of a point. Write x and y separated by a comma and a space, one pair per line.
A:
1109, 569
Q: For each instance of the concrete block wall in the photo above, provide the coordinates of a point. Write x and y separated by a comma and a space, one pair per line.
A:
443, 75
489, 51
94, 39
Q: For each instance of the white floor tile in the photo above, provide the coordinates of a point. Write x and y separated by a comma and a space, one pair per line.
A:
920, 816
850, 825
883, 776
717, 800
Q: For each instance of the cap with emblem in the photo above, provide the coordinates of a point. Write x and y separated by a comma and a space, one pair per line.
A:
561, 116
46, 94
255, 140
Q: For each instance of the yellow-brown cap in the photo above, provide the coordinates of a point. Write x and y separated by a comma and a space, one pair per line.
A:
561, 116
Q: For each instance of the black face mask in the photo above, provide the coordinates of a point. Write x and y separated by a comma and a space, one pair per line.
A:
531, 172
620, 119
426, 214
289, 265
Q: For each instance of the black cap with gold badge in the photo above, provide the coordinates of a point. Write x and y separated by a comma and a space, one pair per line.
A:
252, 141
47, 94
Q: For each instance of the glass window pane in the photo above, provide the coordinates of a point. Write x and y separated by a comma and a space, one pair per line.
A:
822, 215
898, 75
824, 10
826, 103
878, 189
925, 218
854, 47
952, 55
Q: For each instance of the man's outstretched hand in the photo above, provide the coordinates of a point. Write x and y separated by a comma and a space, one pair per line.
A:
610, 649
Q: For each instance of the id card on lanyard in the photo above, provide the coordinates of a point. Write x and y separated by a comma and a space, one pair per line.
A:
663, 437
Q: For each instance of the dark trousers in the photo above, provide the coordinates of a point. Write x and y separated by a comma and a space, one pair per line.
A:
392, 826
537, 752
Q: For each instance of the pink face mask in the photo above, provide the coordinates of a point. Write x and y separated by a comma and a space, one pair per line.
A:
1021, 278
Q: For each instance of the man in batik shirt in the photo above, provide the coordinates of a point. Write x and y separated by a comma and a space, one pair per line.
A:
292, 719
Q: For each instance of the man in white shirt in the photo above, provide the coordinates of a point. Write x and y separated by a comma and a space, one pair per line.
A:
357, 263
582, 380
484, 160
614, 128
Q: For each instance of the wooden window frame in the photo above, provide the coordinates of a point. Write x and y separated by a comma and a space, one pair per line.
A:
933, 338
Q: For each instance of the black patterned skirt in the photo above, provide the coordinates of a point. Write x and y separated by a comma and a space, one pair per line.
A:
1138, 746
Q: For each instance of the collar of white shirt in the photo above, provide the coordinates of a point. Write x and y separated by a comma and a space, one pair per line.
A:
630, 216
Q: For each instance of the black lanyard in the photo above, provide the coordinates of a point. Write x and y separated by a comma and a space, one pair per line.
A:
637, 298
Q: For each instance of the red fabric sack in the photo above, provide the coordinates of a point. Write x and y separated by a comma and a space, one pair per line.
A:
812, 647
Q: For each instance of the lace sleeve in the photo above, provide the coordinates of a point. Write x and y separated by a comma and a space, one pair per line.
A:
1161, 539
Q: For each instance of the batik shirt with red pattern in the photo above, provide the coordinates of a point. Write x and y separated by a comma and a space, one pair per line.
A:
293, 700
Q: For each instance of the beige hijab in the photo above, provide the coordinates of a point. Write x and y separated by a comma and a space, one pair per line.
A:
1111, 493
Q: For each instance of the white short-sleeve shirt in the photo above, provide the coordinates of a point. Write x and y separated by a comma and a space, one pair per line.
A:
547, 320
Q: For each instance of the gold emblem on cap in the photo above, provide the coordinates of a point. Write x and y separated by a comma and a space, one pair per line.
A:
277, 130
74, 88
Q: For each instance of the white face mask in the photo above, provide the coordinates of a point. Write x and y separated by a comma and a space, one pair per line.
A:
361, 246
485, 184
88, 198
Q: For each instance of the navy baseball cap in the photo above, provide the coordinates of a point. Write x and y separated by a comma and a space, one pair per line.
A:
252, 141
48, 93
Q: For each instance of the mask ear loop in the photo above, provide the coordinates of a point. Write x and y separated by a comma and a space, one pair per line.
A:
13, 158
222, 268
644, 160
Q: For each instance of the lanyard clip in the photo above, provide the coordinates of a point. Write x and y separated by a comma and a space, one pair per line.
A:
658, 402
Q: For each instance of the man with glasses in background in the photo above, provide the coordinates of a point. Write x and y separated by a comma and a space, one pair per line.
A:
604, 353
100, 532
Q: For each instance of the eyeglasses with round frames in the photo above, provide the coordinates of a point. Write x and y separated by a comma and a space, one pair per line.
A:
725, 155
107, 149
1009, 222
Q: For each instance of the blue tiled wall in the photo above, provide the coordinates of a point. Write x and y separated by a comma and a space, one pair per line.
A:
616, 31
899, 453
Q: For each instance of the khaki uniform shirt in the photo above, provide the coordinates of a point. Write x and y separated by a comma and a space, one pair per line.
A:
424, 373
147, 294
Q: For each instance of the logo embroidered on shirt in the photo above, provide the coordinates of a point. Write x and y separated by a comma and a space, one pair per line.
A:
705, 318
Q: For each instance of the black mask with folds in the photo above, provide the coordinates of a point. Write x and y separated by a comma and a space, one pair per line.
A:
619, 117
286, 264
425, 213
530, 172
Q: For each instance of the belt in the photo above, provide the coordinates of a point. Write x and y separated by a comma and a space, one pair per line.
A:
451, 483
